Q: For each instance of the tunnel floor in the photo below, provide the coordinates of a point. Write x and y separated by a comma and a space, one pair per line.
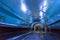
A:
35, 36
41, 36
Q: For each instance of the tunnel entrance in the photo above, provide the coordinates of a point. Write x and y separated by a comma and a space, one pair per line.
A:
37, 28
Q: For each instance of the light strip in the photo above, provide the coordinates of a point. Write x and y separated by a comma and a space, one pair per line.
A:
8, 24
43, 8
45, 5
23, 6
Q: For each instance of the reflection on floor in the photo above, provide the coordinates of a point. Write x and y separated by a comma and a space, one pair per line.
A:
41, 36
26, 34
35, 36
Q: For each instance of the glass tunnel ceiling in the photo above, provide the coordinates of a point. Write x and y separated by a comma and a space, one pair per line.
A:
24, 12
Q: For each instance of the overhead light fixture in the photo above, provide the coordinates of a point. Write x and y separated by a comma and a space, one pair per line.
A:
41, 14
45, 5
43, 8
23, 6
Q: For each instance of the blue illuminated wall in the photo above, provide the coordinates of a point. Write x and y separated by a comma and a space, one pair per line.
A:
11, 12
53, 13
9, 19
